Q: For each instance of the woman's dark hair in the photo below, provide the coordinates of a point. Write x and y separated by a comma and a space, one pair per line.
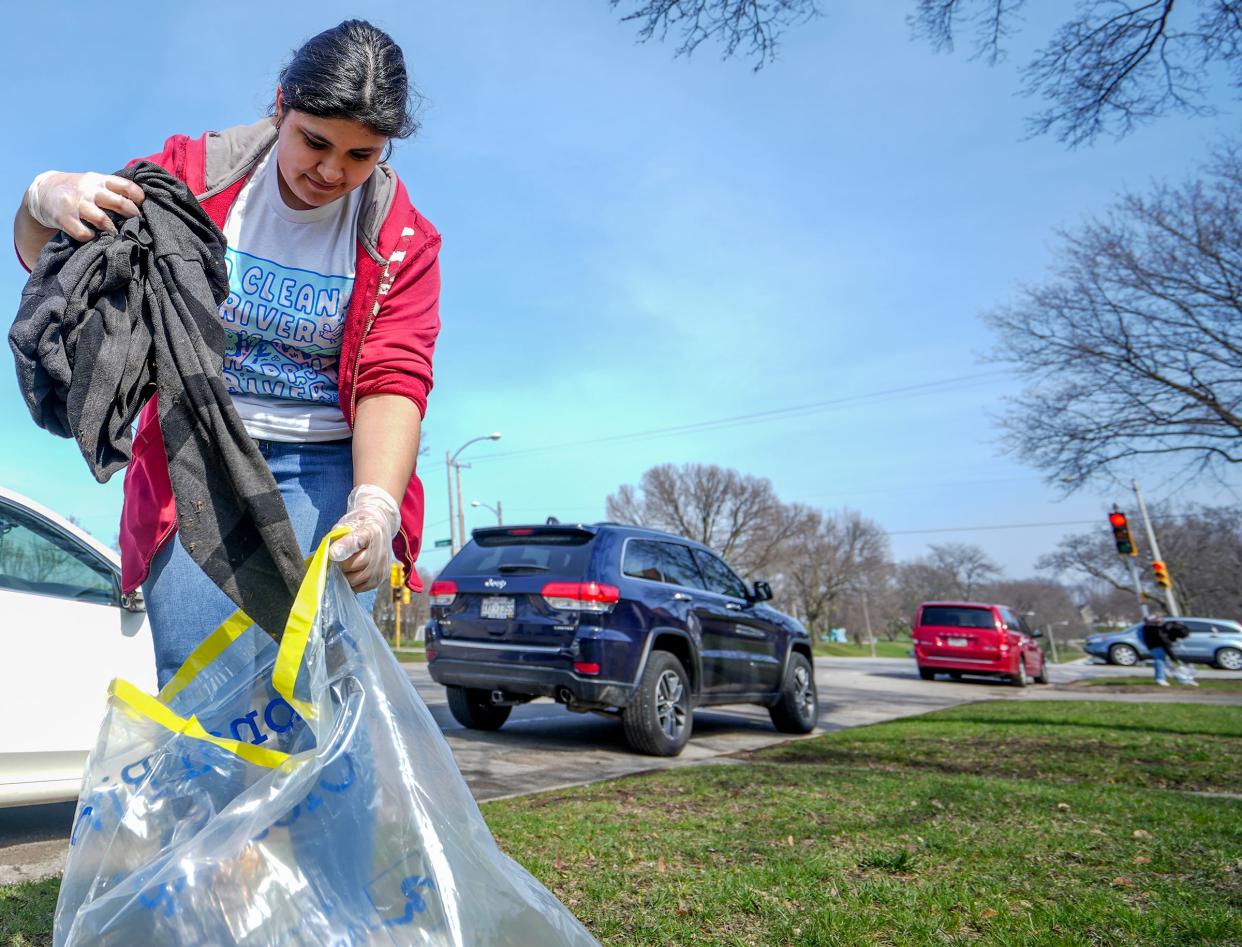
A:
356, 71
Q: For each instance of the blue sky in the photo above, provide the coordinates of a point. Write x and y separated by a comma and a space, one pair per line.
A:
635, 242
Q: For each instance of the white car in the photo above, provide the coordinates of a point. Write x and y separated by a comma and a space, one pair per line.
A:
65, 632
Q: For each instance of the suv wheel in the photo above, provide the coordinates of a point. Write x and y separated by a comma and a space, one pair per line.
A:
474, 709
657, 719
927, 674
1123, 654
1229, 659
797, 710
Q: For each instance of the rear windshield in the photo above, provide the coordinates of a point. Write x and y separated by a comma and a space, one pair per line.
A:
947, 617
555, 553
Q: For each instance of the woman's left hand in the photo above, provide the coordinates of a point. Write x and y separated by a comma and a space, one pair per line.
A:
373, 518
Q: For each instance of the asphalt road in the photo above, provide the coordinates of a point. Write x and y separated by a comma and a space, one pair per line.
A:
543, 746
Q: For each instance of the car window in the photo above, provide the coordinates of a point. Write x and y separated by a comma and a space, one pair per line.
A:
37, 558
1012, 621
1195, 627
720, 578
661, 562
946, 616
521, 550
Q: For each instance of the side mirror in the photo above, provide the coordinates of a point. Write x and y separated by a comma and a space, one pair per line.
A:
1036, 633
763, 592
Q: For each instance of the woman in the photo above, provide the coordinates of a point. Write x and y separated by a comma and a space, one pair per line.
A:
331, 319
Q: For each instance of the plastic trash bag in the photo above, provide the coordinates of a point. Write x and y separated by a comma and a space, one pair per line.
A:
1183, 673
298, 794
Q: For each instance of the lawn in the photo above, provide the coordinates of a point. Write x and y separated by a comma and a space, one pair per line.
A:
1148, 681
1066, 823
998, 823
883, 649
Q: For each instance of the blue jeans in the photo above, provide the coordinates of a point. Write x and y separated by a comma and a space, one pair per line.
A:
184, 606
1162, 661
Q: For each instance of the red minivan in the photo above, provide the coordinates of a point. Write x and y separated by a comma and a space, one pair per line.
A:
972, 638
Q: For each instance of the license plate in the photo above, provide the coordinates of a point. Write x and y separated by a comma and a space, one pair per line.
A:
957, 642
496, 606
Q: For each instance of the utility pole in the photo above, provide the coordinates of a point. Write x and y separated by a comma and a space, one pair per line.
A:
499, 520
448, 473
461, 515
1053, 641
1155, 549
867, 621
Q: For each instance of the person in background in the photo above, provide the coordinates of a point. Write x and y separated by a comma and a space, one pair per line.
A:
1159, 633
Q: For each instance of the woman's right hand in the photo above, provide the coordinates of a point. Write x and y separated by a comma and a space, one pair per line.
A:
62, 200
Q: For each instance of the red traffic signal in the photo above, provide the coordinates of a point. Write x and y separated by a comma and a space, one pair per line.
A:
1121, 534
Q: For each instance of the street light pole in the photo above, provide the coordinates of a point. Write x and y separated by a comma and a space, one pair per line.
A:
495, 509
452, 463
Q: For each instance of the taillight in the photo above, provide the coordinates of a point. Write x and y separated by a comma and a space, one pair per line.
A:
586, 667
581, 596
431, 654
443, 592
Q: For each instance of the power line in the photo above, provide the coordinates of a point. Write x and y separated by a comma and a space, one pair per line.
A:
959, 382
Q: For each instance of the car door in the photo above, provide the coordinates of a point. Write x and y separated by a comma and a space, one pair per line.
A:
64, 637
739, 643
1200, 644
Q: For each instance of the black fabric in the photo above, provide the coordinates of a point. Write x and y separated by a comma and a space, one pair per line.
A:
1163, 634
106, 323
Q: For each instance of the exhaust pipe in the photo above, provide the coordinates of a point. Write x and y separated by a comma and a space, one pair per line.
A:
565, 696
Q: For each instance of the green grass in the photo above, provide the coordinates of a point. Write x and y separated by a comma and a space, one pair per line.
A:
410, 654
1040, 822
26, 913
1032, 823
883, 649
1205, 683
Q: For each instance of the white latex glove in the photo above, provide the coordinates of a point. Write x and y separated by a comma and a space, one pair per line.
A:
66, 201
373, 518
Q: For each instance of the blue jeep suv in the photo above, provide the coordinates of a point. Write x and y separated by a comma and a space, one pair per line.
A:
612, 619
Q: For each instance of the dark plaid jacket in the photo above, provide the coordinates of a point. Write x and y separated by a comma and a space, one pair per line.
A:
103, 325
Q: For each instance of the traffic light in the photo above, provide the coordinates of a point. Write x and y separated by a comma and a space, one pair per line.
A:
1162, 574
397, 580
1121, 534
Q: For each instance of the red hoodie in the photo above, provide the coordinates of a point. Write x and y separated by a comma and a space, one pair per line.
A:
390, 329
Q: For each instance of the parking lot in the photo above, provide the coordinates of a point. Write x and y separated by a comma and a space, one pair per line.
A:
543, 746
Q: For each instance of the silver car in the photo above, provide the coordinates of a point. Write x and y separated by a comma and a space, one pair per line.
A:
1214, 641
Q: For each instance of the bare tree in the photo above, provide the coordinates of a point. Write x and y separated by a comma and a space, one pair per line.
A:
963, 568
1113, 65
1133, 348
1044, 602
752, 25
736, 514
1202, 547
833, 556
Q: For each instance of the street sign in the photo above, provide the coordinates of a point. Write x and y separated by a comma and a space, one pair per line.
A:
443, 542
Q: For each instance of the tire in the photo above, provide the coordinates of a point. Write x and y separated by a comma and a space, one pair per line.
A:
1021, 679
474, 709
658, 720
797, 710
1123, 654
1042, 676
955, 675
1229, 659
927, 674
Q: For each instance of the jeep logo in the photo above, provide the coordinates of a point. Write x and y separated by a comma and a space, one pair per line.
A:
495, 583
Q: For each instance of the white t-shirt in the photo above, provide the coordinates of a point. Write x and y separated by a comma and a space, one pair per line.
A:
291, 273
